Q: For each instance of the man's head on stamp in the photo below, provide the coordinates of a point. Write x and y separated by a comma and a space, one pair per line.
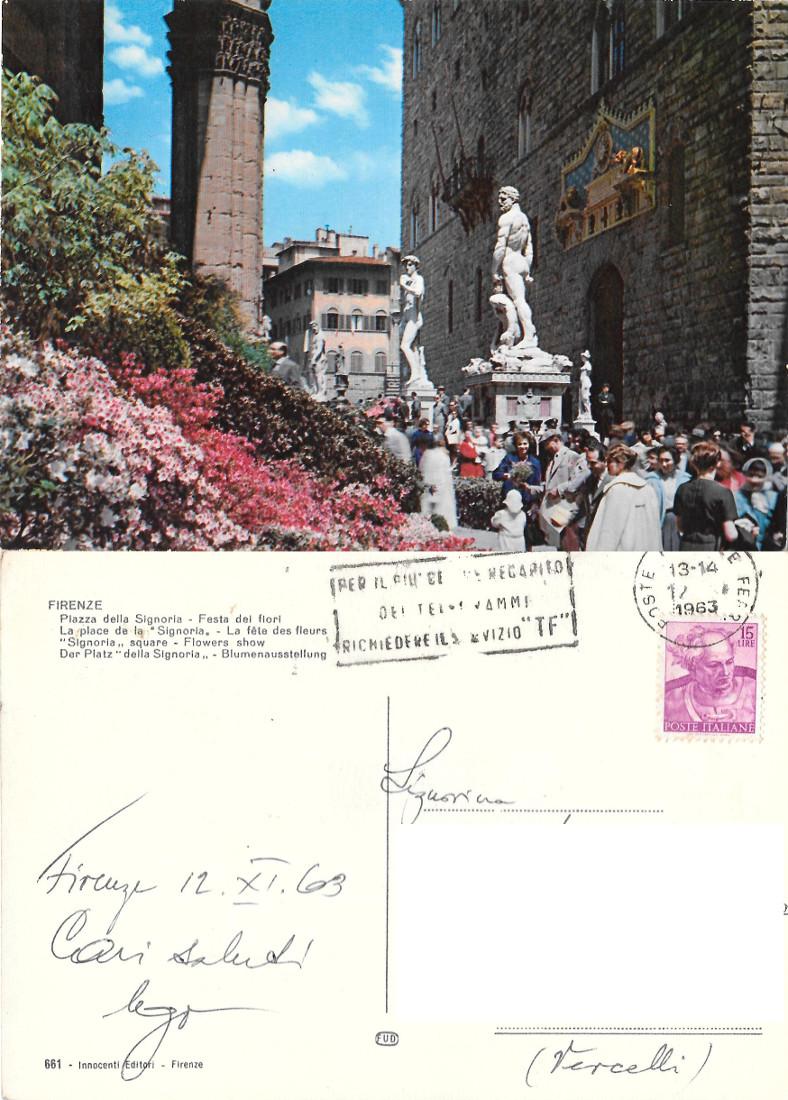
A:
709, 657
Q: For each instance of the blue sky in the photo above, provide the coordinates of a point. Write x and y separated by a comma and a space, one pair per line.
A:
333, 117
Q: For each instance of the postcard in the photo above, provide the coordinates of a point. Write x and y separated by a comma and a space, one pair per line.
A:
347, 826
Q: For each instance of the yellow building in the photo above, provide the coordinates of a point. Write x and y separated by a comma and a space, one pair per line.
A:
353, 294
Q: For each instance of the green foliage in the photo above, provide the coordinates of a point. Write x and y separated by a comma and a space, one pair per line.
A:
440, 523
283, 422
69, 229
211, 303
136, 315
477, 499
253, 351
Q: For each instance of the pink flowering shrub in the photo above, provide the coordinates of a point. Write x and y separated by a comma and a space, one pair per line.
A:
276, 498
84, 466
89, 460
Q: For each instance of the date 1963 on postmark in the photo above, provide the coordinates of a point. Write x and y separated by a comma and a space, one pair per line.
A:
711, 679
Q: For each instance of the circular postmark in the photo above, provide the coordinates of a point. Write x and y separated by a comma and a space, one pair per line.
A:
720, 587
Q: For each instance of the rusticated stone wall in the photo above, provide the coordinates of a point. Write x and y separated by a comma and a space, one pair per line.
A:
219, 68
767, 303
704, 328
61, 42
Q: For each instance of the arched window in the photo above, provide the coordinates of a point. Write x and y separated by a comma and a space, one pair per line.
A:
670, 12
435, 211
380, 362
436, 22
617, 36
414, 224
331, 362
417, 48
600, 47
332, 319
524, 123
381, 321
356, 362
357, 321
608, 55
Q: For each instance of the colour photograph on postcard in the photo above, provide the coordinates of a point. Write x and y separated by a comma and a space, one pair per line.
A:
434, 275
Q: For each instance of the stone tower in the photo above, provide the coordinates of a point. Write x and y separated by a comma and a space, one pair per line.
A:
219, 53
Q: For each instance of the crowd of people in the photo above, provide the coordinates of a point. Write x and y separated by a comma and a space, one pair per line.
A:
656, 488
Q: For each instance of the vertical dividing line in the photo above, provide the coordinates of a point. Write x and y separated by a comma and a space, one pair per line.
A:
388, 831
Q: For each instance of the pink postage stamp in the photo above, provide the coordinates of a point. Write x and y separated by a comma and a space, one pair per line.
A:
711, 678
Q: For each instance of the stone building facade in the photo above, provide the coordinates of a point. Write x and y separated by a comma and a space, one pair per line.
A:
649, 141
62, 43
219, 52
353, 295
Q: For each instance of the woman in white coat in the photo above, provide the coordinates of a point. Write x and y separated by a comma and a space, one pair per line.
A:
438, 497
627, 515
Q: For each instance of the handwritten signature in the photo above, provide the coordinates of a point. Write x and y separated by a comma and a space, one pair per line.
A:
567, 1058
408, 781
143, 1052
72, 880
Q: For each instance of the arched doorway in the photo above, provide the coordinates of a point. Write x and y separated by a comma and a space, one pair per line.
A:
606, 332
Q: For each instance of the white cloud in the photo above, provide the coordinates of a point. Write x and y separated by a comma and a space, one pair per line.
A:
341, 98
136, 58
303, 169
381, 164
115, 31
118, 91
286, 117
388, 73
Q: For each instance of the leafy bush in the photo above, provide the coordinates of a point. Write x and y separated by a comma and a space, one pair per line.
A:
69, 229
283, 422
212, 304
83, 466
477, 499
136, 315
92, 461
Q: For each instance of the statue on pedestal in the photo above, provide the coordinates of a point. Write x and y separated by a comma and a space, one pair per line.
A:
316, 359
411, 321
512, 258
506, 313
584, 401
341, 379
267, 327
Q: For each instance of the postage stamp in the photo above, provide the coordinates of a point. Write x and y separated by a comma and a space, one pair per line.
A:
710, 679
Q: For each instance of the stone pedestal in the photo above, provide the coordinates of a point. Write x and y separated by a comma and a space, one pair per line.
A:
425, 391
518, 385
586, 423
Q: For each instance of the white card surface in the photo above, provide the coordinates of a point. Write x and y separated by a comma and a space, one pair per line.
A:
333, 826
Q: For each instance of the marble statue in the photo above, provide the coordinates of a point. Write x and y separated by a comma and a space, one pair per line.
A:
342, 381
317, 360
506, 313
512, 258
476, 366
267, 327
413, 285
584, 403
